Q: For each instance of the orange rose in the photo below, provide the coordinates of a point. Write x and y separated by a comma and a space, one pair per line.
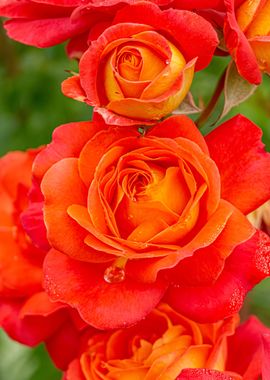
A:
159, 347
247, 33
141, 67
152, 216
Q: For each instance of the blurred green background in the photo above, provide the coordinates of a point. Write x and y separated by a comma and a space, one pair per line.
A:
31, 106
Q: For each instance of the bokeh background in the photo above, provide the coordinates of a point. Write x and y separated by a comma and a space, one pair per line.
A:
31, 106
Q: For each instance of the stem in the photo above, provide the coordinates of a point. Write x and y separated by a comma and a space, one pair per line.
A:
211, 105
8, 55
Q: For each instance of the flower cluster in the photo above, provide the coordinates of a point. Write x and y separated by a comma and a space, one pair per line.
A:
132, 227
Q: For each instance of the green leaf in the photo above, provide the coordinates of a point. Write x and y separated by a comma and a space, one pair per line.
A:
236, 89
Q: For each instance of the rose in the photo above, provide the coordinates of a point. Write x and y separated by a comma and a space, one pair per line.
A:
168, 346
159, 347
247, 35
144, 217
141, 68
26, 313
48, 23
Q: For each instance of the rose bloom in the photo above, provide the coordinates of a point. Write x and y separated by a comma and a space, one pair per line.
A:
45, 23
247, 35
141, 68
132, 218
168, 346
26, 313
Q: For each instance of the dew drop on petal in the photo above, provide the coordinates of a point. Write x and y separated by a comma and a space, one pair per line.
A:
167, 62
114, 274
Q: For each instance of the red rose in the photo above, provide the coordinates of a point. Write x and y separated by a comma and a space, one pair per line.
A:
45, 23
141, 68
26, 313
247, 35
153, 216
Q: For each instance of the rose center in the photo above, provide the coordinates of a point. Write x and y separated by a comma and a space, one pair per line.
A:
130, 58
137, 184
129, 63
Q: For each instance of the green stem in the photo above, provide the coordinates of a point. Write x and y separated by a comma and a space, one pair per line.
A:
211, 105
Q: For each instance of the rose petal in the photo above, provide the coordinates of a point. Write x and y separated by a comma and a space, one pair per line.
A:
194, 35
260, 23
245, 168
205, 374
15, 262
239, 47
74, 371
82, 286
96, 147
32, 9
66, 336
179, 126
246, 266
43, 32
34, 326
71, 87
33, 223
261, 47
247, 342
246, 11
63, 233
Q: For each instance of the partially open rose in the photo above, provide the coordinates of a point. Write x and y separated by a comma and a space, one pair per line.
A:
44, 23
159, 347
26, 313
141, 68
247, 34
168, 346
142, 216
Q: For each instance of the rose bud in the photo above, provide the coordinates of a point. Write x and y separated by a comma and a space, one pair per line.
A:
141, 67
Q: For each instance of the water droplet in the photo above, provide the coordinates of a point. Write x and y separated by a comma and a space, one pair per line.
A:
167, 62
114, 274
